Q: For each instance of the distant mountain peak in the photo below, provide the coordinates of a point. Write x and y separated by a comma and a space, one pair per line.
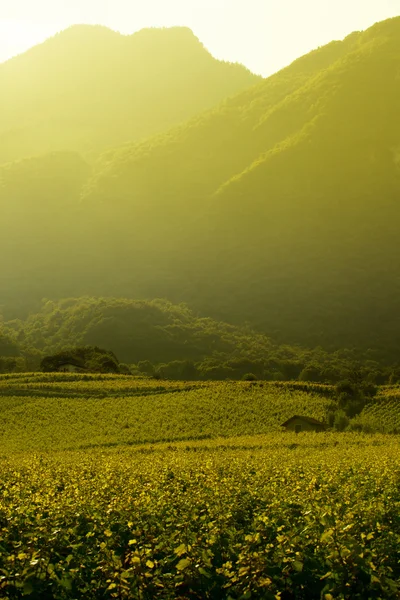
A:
89, 88
181, 30
152, 35
83, 33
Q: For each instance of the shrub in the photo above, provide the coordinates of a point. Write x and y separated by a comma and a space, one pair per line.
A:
249, 377
341, 421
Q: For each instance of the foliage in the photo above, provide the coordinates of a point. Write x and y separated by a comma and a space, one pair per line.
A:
353, 394
8, 346
160, 505
71, 410
341, 420
87, 358
158, 338
249, 377
383, 413
311, 517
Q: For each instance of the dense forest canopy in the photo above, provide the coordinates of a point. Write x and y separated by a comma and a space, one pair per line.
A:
278, 206
161, 339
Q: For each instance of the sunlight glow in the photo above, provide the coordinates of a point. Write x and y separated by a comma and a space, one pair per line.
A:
17, 36
265, 35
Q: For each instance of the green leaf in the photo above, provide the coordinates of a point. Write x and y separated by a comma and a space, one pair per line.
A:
183, 564
298, 566
28, 588
180, 550
66, 583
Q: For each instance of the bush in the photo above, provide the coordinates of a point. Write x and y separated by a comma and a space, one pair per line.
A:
330, 418
341, 421
84, 358
249, 377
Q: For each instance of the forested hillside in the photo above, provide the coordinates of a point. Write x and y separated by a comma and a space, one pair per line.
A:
278, 207
285, 199
169, 341
89, 88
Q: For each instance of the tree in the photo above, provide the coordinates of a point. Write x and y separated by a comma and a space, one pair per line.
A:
87, 358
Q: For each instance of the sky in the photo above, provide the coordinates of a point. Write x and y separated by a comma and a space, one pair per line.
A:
264, 35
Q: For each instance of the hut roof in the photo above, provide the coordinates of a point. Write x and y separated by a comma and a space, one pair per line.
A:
308, 419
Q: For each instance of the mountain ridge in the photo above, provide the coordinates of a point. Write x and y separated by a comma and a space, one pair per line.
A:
277, 207
273, 181
89, 88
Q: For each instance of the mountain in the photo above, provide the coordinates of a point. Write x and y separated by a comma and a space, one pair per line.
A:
89, 88
281, 206
278, 207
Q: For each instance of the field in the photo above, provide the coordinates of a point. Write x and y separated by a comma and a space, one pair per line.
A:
113, 487
73, 411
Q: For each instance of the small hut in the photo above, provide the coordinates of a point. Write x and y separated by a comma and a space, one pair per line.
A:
298, 424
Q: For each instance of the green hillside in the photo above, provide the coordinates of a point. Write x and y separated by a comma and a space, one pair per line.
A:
170, 341
88, 88
280, 206
62, 411
277, 208
114, 247
383, 414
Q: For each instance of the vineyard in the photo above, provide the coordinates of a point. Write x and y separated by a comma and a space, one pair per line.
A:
383, 413
117, 487
72, 412
304, 517
100, 385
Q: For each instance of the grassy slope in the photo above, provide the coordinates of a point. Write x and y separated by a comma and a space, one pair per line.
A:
330, 224
88, 88
84, 90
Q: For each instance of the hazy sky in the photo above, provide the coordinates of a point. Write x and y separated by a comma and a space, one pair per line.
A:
265, 35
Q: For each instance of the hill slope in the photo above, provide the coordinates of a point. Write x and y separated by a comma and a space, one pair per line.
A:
285, 198
68, 410
279, 207
89, 88
139, 411
159, 338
